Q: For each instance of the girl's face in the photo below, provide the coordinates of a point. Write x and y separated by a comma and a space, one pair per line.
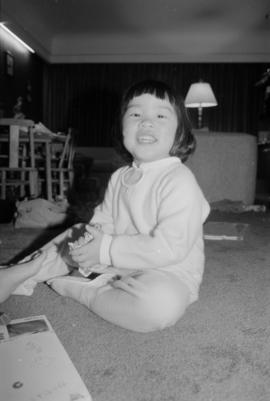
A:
149, 127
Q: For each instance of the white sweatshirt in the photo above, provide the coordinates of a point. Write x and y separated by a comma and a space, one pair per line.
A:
152, 217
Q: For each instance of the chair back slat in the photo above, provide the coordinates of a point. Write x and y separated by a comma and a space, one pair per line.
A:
16, 121
67, 155
17, 172
16, 128
65, 150
14, 146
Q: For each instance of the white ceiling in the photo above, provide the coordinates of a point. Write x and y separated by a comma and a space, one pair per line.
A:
143, 30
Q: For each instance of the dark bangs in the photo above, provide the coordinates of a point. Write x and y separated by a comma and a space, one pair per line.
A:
151, 87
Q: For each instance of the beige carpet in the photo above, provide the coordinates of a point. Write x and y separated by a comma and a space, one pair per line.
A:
219, 351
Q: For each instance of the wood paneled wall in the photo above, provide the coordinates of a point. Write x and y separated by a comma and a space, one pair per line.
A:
87, 96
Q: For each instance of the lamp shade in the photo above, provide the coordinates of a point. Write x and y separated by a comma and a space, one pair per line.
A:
200, 94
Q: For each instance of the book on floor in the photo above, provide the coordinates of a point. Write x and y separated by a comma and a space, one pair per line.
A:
221, 230
34, 364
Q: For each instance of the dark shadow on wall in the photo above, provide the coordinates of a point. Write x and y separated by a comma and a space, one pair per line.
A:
94, 114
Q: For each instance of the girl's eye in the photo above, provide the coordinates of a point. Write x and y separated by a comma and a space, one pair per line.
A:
134, 114
161, 116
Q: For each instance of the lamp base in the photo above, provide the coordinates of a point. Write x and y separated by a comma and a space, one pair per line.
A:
199, 117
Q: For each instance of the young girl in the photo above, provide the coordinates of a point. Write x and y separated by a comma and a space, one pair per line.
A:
148, 244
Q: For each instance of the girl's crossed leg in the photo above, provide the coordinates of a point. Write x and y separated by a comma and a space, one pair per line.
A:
143, 301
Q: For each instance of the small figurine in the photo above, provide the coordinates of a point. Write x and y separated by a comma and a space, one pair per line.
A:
17, 109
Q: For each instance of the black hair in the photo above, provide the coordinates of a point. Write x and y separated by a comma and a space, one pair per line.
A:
184, 143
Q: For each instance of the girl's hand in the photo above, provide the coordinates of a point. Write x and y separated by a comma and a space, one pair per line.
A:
88, 254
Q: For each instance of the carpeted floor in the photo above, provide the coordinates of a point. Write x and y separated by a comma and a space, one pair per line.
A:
219, 351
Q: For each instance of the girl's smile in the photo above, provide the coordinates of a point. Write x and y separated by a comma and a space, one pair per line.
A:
146, 139
149, 127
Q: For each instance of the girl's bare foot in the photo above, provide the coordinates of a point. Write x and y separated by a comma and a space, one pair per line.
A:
78, 288
81, 289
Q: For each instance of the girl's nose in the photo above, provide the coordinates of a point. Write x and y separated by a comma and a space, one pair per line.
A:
147, 122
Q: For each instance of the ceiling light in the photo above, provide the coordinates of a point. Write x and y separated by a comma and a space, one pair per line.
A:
2, 25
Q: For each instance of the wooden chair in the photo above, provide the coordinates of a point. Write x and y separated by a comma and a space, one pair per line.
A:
18, 158
60, 173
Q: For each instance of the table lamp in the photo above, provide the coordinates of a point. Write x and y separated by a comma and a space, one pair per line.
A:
200, 94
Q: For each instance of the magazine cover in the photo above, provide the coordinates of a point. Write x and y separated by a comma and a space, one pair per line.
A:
34, 365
